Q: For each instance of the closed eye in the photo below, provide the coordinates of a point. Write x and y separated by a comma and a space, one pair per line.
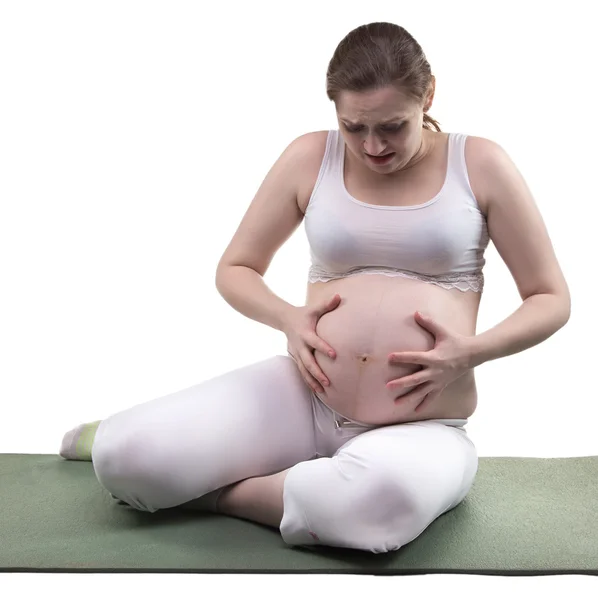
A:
387, 128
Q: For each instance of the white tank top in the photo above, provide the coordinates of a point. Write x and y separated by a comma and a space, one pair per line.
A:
441, 241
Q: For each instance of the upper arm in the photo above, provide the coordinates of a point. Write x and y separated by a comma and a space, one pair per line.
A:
273, 214
516, 226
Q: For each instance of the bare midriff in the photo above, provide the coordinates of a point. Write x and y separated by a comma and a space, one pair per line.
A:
374, 319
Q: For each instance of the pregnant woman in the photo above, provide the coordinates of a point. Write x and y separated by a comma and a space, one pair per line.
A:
364, 448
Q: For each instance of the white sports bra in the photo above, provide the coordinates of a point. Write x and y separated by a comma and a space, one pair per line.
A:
441, 241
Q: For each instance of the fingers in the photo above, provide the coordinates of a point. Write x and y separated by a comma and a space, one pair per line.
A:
334, 301
309, 378
410, 381
321, 346
310, 362
414, 394
308, 366
331, 302
327, 306
312, 367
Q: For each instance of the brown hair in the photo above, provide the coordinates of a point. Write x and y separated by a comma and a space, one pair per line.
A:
377, 55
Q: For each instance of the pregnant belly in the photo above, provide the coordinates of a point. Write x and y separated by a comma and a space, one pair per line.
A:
375, 318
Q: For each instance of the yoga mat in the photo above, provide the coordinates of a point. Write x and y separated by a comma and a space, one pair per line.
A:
523, 516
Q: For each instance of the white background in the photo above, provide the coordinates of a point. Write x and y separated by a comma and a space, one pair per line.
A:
134, 136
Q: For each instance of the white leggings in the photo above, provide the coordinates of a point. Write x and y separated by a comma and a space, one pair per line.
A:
351, 485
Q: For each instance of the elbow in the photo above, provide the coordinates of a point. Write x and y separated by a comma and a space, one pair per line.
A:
219, 277
564, 308
566, 315
566, 304
223, 271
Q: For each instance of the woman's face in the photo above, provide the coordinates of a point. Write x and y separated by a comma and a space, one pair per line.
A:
380, 122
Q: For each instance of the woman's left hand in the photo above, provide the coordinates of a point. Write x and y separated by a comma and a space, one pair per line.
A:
447, 361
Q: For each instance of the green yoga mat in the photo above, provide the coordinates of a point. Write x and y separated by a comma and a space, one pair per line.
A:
523, 516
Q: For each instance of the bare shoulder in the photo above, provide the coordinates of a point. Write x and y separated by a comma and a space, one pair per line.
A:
478, 151
313, 148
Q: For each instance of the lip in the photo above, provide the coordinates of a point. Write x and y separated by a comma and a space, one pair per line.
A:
381, 161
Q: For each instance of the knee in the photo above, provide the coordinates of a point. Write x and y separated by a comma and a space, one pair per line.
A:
390, 515
128, 467
386, 504
374, 511
114, 457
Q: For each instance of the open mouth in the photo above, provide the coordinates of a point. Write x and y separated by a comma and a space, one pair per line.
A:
381, 159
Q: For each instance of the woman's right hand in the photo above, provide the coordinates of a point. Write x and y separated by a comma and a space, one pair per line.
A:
300, 330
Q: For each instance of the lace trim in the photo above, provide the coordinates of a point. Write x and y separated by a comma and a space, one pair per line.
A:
462, 281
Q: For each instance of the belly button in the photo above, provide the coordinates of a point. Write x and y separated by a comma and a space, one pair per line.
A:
363, 358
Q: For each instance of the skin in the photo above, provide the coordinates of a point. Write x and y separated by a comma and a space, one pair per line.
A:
345, 384
516, 229
260, 499
367, 112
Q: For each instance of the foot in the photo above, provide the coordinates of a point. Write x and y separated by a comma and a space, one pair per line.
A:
77, 443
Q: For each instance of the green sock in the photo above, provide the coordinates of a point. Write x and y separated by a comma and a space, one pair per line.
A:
77, 443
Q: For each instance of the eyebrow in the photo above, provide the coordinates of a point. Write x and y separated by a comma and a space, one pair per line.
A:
399, 118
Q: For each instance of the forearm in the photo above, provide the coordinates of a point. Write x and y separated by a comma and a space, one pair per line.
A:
245, 290
538, 317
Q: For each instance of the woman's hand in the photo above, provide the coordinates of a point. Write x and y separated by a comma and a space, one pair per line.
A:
447, 361
300, 330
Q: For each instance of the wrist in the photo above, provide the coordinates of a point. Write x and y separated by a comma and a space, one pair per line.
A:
285, 316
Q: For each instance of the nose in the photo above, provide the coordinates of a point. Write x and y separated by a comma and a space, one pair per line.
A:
375, 147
